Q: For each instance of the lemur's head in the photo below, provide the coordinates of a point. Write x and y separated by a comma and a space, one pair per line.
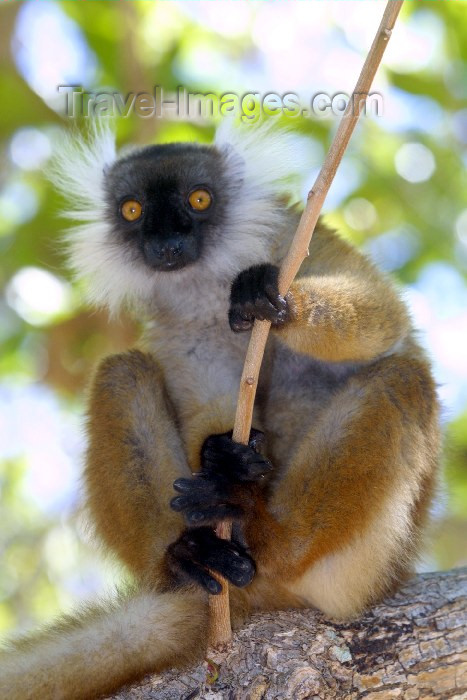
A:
156, 218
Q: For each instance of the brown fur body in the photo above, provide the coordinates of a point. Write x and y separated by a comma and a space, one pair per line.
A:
349, 410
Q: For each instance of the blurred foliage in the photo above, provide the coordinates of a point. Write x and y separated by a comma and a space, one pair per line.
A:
131, 46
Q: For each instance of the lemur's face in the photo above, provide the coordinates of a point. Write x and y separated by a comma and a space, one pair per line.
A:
166, 202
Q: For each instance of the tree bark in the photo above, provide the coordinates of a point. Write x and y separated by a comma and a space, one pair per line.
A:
412, 646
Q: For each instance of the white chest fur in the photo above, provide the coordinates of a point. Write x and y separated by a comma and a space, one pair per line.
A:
201, 357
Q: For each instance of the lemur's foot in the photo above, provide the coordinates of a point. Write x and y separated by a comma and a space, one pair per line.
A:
255, 294
224, 488
198, 551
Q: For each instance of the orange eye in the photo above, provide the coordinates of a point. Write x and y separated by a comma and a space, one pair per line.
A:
200, 200
131, 210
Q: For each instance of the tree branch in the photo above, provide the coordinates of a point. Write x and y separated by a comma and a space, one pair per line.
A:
413, 645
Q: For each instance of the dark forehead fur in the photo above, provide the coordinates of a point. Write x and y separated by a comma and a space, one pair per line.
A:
184, 165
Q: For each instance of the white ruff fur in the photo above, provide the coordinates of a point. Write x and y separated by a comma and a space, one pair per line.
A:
260, 162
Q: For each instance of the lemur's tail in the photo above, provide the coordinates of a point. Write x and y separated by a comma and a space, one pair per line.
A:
105, 647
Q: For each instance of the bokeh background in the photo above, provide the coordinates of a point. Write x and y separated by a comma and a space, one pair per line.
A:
400, 194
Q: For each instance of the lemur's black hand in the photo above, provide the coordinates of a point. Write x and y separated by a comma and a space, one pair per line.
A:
255, 294
198, 550
222, 489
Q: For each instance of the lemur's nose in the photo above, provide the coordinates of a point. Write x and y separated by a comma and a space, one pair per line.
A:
171, 250
168, 254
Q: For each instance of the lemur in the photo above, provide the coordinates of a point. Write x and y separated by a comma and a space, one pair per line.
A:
331, 496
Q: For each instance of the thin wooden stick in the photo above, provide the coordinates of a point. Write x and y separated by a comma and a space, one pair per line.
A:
220, 631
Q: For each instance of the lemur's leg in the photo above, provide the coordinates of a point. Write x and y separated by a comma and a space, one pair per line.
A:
135, 454
343, 523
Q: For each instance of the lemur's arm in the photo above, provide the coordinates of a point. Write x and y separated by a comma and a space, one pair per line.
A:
338, 309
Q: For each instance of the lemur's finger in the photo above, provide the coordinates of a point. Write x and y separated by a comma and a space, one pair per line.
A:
196, 502
201, 576
277, 300
231, 561
213, 514
238, 322
264, 309
196, 483
255, 469
239, 572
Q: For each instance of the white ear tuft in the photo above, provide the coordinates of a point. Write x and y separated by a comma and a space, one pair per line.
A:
78, 166
274, 160
262, 164
78, 171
